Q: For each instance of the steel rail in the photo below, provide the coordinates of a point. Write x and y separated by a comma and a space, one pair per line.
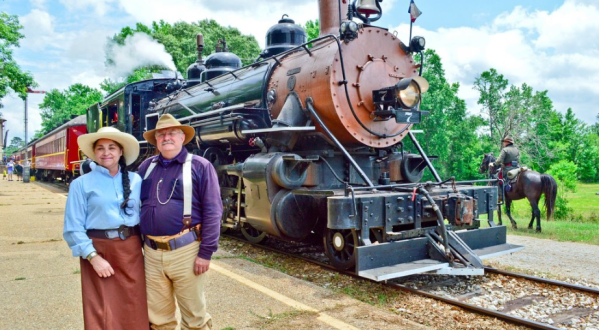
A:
544, 280
469, 307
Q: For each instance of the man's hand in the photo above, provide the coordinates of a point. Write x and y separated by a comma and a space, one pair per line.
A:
102, 267
200, 266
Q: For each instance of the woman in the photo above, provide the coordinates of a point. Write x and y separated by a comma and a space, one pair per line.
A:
101, 226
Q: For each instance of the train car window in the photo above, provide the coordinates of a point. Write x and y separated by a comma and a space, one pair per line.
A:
113, 115
151, 121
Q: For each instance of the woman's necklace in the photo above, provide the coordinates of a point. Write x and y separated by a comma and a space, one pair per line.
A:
158, 192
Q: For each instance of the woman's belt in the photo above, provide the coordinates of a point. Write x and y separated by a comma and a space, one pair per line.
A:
174, 242
123, 232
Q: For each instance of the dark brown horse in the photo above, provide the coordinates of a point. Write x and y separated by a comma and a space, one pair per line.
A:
531, 185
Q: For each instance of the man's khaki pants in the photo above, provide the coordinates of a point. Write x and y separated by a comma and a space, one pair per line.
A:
169, 274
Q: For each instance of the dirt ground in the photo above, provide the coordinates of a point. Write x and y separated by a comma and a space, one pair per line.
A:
559, 259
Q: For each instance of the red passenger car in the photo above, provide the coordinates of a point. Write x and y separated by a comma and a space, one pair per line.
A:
57, 154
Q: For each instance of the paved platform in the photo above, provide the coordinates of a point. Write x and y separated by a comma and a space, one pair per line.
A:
41, 289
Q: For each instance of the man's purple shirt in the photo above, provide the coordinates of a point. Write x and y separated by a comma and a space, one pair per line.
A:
157, 219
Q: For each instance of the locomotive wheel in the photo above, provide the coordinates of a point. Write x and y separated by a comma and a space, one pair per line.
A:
339, 246
252, 234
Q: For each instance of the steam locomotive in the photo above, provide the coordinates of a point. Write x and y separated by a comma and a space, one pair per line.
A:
308, 142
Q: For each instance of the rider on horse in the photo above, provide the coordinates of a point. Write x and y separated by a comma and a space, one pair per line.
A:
508, 159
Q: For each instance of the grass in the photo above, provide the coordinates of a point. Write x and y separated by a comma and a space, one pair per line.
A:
581, 227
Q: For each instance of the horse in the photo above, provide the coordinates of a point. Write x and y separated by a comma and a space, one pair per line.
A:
530, 185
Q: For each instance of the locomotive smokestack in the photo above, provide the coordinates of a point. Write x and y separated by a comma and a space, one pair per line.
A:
328, 15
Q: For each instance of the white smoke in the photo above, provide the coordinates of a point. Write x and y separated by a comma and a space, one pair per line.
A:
139, 50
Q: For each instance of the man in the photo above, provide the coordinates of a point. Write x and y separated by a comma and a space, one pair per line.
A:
509, 158
176, 262
19, 171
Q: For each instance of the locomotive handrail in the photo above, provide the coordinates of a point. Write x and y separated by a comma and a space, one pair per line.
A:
337, 143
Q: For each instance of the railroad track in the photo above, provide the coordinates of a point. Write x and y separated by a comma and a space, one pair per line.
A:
545, 286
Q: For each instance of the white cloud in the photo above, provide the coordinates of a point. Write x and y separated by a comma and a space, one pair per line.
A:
38, 28
38, 3
551, 51
100, 7
14, 113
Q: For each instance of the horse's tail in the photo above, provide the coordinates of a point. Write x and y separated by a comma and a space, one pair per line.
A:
549, 187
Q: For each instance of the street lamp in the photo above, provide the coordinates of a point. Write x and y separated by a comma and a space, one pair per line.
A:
26, 165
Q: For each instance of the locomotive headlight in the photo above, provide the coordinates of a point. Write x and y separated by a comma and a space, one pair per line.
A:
343, 27
353, 26
417, 44
410, 95
409, 90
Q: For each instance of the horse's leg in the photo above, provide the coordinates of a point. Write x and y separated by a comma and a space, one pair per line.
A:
508, 204
536, 213
532, 218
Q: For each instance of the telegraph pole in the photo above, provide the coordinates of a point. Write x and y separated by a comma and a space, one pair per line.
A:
26, 166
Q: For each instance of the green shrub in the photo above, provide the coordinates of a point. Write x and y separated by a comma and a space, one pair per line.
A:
564, 173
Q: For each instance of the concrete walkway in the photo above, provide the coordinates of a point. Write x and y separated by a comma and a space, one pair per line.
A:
41, 289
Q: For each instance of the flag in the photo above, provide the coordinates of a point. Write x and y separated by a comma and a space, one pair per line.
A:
414, 11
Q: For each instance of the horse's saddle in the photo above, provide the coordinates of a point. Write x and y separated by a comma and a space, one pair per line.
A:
512, 175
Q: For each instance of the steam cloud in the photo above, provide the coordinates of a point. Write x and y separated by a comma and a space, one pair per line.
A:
139, 50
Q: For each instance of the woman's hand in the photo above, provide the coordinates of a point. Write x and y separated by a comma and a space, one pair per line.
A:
102, 267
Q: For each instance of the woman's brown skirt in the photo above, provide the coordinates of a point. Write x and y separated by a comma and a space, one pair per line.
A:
119, 301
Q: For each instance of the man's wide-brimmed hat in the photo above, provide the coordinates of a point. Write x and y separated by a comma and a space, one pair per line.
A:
508, 139
168, 121
127, 141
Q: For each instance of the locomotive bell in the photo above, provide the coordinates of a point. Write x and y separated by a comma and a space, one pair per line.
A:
367, 7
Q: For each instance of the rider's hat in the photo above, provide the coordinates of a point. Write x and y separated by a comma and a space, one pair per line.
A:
508, 139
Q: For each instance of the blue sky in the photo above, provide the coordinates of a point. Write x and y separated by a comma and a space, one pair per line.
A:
551, 45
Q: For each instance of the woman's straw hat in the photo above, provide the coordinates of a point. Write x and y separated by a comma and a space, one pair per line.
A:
168, 121
127, 141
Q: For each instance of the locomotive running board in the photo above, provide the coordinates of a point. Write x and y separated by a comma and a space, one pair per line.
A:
386, 261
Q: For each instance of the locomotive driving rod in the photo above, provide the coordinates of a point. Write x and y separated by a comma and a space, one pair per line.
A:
339, 145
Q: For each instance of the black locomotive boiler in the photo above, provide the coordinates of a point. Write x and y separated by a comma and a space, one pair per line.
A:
308, 141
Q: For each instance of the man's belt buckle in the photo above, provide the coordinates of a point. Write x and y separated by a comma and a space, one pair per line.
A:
163, 245
123, 232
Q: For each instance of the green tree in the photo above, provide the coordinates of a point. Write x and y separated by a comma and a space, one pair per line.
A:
11, 75
588, 158
564, 173
108, 85
526, 115
312, 29
60, 106
457, 146
15, 144
491, 86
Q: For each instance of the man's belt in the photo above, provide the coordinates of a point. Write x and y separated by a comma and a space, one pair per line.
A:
123, 232
173, 243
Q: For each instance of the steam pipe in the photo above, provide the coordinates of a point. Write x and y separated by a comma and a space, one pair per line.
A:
337, 143
426, 160
439, 218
